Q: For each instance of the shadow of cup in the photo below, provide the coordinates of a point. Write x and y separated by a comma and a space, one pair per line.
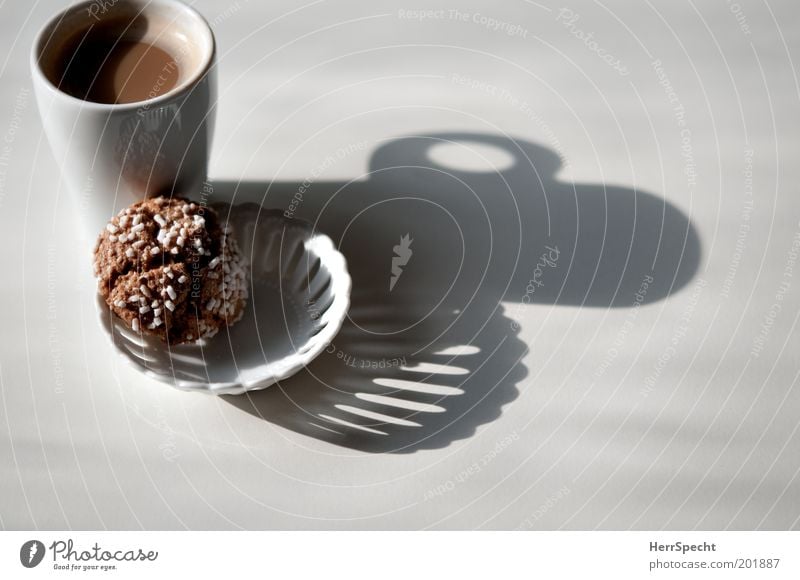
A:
434, 245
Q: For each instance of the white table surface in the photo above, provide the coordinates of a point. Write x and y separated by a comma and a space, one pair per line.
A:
681, 413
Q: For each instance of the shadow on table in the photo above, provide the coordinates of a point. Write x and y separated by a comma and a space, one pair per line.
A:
428, 354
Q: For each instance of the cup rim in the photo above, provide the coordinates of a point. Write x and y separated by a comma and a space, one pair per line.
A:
187, 86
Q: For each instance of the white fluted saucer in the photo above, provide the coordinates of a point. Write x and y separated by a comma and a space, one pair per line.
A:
299, 297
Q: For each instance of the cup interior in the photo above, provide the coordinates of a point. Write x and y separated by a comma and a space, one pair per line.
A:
169, 25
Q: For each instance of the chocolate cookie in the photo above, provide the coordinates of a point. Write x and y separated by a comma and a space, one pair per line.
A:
168, 267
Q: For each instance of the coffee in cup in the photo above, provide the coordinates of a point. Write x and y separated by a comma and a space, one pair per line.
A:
127, 98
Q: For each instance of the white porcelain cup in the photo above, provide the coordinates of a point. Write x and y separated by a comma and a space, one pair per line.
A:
112, 155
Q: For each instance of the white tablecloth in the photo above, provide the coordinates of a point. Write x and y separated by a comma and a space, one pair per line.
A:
652, 387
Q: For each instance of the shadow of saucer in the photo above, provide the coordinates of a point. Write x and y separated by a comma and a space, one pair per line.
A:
395, 394
428, 353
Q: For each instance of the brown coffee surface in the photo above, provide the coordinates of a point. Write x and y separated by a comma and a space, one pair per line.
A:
103, 68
